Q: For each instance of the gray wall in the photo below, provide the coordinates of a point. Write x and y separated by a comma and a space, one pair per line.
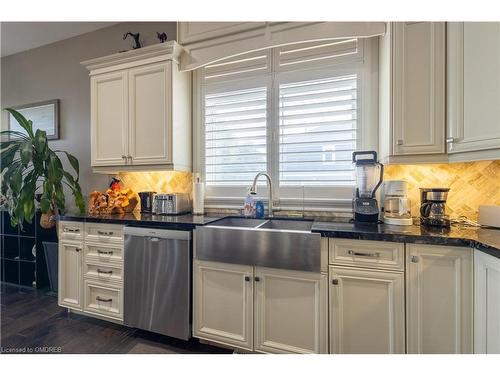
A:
54, 72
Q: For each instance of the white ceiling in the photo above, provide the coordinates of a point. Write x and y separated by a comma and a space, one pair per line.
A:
21, 36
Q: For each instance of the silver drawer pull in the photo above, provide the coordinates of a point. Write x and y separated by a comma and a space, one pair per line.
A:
103, 233
100, 252
71, 230
99, 299
370, 255
106, 272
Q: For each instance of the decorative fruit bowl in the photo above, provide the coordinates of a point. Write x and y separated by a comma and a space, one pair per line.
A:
112, 201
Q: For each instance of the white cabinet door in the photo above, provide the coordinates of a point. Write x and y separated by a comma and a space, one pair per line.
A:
439, 299
290, 311
366, 311
70, 275
418, 88
473, 71
109, 119
486, 304
223, 303
150, 123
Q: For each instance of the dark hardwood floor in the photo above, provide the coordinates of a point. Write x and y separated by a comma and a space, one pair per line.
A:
31, 320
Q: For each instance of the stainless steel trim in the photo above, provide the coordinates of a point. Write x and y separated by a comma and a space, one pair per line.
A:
157, 281
275, 248
160, 233
358, 254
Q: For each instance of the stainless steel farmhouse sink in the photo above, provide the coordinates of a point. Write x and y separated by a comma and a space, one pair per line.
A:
275, 243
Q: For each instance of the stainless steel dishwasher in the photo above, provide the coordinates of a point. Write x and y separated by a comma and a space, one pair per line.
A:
157, 281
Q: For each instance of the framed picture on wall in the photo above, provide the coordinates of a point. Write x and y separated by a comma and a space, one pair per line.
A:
45, 116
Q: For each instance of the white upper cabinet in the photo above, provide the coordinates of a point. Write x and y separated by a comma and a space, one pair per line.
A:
473, 71
150, 137
140, 110
439, 303
412, 92
109, 103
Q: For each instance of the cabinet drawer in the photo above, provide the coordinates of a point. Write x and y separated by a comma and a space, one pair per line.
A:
70, 230
103, 273
104, 254
368, 254
103, 299
104, 233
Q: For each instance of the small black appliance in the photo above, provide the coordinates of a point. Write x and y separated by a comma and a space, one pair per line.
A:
369, 175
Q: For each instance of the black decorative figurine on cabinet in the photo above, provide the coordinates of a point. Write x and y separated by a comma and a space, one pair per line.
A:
136, 39
162, 37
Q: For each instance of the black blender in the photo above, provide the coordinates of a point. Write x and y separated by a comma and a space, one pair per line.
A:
369, 176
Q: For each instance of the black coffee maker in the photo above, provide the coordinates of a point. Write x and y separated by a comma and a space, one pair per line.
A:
147, 199
433, 207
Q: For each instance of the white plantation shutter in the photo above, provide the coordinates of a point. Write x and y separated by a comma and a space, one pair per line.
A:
291, 111
235, 136
317, 131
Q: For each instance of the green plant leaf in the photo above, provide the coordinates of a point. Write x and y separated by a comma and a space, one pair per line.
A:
40, 142
8, 156
26, 151
74, 163
25, 123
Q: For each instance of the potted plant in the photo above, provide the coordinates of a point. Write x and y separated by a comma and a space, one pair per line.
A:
29, 166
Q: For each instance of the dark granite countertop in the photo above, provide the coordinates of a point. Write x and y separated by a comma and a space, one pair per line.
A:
179, 222
487, 240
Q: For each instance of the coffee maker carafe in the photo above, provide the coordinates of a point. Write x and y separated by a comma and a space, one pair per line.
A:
433, 207
369, 175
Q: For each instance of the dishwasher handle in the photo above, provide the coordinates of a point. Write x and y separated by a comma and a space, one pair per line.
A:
158, 233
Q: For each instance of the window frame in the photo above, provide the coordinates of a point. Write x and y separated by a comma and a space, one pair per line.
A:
309, 198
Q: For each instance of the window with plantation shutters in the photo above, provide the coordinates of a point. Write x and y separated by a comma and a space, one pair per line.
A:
235, 136
293, 111
317, 131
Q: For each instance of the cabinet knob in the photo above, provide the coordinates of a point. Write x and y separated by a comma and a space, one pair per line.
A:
124, 156
247, 278
399, 142
450, 140
77, 249
414, 259
335, 281
257, 278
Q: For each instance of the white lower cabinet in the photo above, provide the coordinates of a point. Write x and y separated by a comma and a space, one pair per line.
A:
366, 311
486, 304
91, 270
70, 275
290, 311
439, 299
223, 303
261, 309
